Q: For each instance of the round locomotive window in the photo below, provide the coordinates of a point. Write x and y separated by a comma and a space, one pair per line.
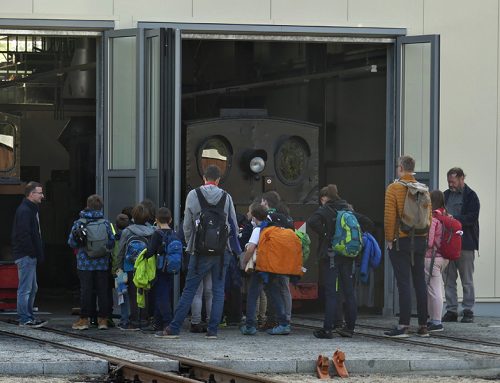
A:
215, 150
291, 160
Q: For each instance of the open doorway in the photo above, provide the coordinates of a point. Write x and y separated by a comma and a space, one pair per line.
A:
48, 85
317, 111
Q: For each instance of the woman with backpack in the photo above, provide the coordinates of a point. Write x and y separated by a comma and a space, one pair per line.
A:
435, 263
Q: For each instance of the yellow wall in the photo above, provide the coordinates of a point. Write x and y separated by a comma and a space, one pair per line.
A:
470, 82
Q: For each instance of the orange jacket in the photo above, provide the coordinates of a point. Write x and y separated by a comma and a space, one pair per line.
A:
395, 196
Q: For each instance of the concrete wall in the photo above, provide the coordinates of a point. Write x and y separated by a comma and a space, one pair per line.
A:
469, 114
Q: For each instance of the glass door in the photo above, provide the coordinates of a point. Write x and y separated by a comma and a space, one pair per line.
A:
417, 104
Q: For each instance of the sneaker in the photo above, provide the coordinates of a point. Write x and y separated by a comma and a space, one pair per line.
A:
434, 327
128, 327
197, 328
339, 324
81, 324
93, 322
345, 332
33, 323
102, 323
450, 316
167, 334
468, 317
267, 325
397, 333
248, 330
211, 335
279, 330
110, 323
322, 334
423, 332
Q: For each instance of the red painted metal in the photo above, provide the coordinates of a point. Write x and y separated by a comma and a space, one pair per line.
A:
8, 286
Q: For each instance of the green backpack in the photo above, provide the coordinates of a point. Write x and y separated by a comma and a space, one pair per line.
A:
306, 244
347, 240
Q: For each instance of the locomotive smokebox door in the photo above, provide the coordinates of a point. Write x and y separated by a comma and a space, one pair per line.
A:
269, 183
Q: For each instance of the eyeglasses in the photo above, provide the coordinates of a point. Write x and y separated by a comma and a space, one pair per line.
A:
35, 192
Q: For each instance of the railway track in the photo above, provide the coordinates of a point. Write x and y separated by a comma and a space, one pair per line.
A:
190, 370
414, 341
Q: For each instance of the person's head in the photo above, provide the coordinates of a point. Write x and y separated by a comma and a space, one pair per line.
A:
258, 212
270, 199
437, 199
164, 216
328, 193
406, 165
34, 192
212, 174
148, 204
456, 179
122, 221
95, 202
140, 214
128, 212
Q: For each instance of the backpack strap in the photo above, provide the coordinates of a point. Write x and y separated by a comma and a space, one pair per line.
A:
222, 201
201, 199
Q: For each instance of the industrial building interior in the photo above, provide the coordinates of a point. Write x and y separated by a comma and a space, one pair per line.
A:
338, 86
48, 92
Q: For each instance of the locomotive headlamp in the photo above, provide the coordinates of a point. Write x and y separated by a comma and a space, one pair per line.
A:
257, 164
253, 161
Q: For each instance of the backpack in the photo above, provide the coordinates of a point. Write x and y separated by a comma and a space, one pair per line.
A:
347, 239
170, 259
280, 220
96, 234
451, 238
279, 251
417, 208
144, 276
211, 231
306, 244
135, 245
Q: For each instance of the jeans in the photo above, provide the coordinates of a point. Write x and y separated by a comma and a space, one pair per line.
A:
273, 288
465, 267
26, 291
199, 266
204, 291
404, 272
286, 295
94, 283
341, 274
163, 288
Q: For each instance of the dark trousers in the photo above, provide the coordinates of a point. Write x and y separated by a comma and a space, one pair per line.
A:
94, 283
137, 316
403, 270
163, 288
341, 274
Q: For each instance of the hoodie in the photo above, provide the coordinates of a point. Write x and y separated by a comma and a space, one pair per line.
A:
83, 261
129, 231
192, 212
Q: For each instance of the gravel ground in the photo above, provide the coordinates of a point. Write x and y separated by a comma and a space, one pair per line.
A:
295, 378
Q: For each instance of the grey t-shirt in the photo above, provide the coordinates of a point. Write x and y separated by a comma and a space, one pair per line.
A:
454, 204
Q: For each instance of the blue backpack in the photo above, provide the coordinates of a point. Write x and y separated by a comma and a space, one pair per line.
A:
170, 260
347, 240
135, 245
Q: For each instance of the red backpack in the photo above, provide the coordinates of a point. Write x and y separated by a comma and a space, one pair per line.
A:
451, 238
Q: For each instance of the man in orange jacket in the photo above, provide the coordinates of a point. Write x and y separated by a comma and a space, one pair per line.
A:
400, 252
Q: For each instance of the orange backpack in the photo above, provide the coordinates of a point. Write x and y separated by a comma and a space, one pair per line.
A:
279, 251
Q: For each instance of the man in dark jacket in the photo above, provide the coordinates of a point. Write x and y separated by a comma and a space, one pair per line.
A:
27, 251
463, 204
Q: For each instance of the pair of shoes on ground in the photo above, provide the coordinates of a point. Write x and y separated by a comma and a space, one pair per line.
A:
402, 332
432, 327
167, 333
33, 323
327, 334
248, 330
339, 368
280, 330
128, 327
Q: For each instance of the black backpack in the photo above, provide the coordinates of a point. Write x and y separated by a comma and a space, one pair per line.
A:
281, 220
211, 232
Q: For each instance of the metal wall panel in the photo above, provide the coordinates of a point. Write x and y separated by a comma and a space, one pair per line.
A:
92, 8
469, 114
232, 11
19, 6
324, 12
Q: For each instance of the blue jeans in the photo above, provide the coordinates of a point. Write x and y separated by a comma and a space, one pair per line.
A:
163, 297
273, 288
26, 291
199, 266
343, 272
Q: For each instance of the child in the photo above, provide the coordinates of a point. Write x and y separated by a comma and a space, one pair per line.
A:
164, 283
121, 222
255, 285
434, 265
